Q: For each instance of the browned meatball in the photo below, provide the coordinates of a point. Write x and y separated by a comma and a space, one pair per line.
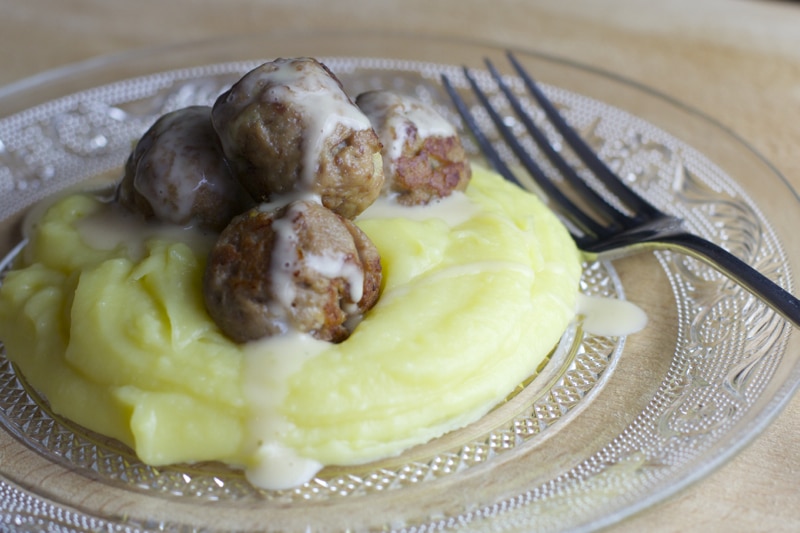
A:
177, 173
288, 129
422, 154
298, 268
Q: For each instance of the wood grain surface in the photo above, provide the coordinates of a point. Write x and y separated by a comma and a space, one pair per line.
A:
737, 61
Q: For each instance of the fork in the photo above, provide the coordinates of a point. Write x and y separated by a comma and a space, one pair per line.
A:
600, 229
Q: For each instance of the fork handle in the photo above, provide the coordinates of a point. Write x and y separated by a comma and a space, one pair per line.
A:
779, 299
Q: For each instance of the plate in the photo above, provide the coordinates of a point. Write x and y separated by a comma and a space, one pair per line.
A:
610, 426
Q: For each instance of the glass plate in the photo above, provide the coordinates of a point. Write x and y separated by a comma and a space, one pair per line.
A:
609, 425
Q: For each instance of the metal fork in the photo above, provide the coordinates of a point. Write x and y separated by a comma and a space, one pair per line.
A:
600, 229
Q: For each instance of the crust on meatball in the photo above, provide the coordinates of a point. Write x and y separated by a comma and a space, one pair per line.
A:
298, 268
289, 129
422, 153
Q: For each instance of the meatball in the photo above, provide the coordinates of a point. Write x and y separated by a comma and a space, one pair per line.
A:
423, 158
177, 173
300, 267
289, 130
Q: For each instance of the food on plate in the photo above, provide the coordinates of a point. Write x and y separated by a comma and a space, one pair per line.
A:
300, 267
476, 291
423, 158
288, 128
391, 329
177, 173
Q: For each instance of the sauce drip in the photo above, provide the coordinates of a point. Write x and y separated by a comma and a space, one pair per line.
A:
316, 95
268, 367
113, 226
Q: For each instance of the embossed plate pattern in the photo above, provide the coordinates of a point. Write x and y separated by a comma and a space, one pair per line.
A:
714, 373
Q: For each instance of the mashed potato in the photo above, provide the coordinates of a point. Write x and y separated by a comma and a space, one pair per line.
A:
477, 290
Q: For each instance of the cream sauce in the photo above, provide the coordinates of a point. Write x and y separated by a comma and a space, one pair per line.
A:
319, 98
268, 365
398, 118
335, 266
114, 226
284, 258
610, 317
454, 209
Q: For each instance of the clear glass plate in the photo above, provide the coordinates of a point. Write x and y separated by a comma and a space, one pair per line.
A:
609, 425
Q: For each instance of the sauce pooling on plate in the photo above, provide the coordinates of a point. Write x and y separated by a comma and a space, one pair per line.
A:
610, 317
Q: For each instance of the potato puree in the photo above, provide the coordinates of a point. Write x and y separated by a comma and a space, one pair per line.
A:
477, 289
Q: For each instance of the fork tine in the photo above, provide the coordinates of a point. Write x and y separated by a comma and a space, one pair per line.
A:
585, 223
617, 217
485, 145
642, 208
496, 160
647, 229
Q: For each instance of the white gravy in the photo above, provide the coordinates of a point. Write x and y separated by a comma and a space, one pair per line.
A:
395, 117
316, 95
609, 316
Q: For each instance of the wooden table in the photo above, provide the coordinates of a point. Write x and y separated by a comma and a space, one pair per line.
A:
738, 61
